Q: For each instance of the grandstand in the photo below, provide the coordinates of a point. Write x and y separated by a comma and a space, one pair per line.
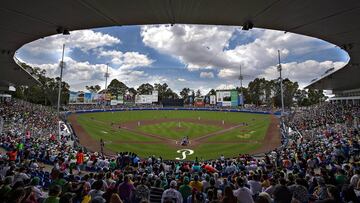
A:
318, 160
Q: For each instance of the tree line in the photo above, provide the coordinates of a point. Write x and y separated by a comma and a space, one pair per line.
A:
259, 91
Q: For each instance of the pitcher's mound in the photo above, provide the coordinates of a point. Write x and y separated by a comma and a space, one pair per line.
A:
179, 129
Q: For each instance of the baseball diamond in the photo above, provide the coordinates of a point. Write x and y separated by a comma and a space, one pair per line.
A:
160, 132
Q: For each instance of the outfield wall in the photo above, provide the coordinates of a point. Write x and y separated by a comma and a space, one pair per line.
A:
277, 113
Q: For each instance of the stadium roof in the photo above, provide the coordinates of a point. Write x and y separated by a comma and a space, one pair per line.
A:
23, 21
346, 78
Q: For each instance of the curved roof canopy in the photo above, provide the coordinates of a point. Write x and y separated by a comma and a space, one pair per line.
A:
23, 21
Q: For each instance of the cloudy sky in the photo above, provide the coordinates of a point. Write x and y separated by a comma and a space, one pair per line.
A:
194, 56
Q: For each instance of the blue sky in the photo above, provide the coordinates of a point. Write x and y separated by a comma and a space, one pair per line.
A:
194, 56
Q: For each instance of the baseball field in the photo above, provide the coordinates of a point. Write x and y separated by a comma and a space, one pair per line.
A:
208, 134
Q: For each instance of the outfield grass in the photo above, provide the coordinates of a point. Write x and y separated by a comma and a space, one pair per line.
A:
102, 130
254, 131
98, 125
171, 129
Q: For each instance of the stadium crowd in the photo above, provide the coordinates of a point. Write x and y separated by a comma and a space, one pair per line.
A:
319, 163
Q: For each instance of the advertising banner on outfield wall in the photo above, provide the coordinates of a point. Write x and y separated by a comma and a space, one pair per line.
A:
226, 103
116, 102
72, 97
234, 98
145, 99
223, 96
87, 97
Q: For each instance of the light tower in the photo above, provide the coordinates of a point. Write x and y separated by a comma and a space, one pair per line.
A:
279, 68
241, 77
62, 64
106, 75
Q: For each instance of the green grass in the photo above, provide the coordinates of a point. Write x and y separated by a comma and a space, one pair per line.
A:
254, 131
204, 151
145, 150
98, 125
169, 129
102, 130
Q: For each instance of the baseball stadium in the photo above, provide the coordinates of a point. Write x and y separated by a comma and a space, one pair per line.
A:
178, 101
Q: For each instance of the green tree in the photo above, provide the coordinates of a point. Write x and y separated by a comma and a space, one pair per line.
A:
211, 92
198, 93
316, 96
301, 98
145, 89
93, 89
246, 94
256, 90
117, 88
169, 94
289, 87
185, 93
268, 87
132, 91
161, 88
46, 92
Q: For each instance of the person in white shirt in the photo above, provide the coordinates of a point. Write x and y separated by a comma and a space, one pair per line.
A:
21, 176
255, 185
355, 178
172, 194
243, 194
206, 183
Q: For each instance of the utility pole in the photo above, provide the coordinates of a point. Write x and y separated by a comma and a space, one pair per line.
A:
281, 85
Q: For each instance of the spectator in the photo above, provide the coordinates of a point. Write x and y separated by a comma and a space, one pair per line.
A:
243, 194
171, 194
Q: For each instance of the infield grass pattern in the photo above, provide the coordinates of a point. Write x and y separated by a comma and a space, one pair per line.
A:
244, 139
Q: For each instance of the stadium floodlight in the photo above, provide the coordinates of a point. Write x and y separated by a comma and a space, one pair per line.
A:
279, 68
106, 75
62, 64
241, 77
61, 30
60, 80
248, 25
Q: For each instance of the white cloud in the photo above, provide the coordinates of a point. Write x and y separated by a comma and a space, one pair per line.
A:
227, 72
79, 74
85, 40
202, 47
116, 56
303, 72
225, 87
206, 75
135, 59
192, 45
127, 60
